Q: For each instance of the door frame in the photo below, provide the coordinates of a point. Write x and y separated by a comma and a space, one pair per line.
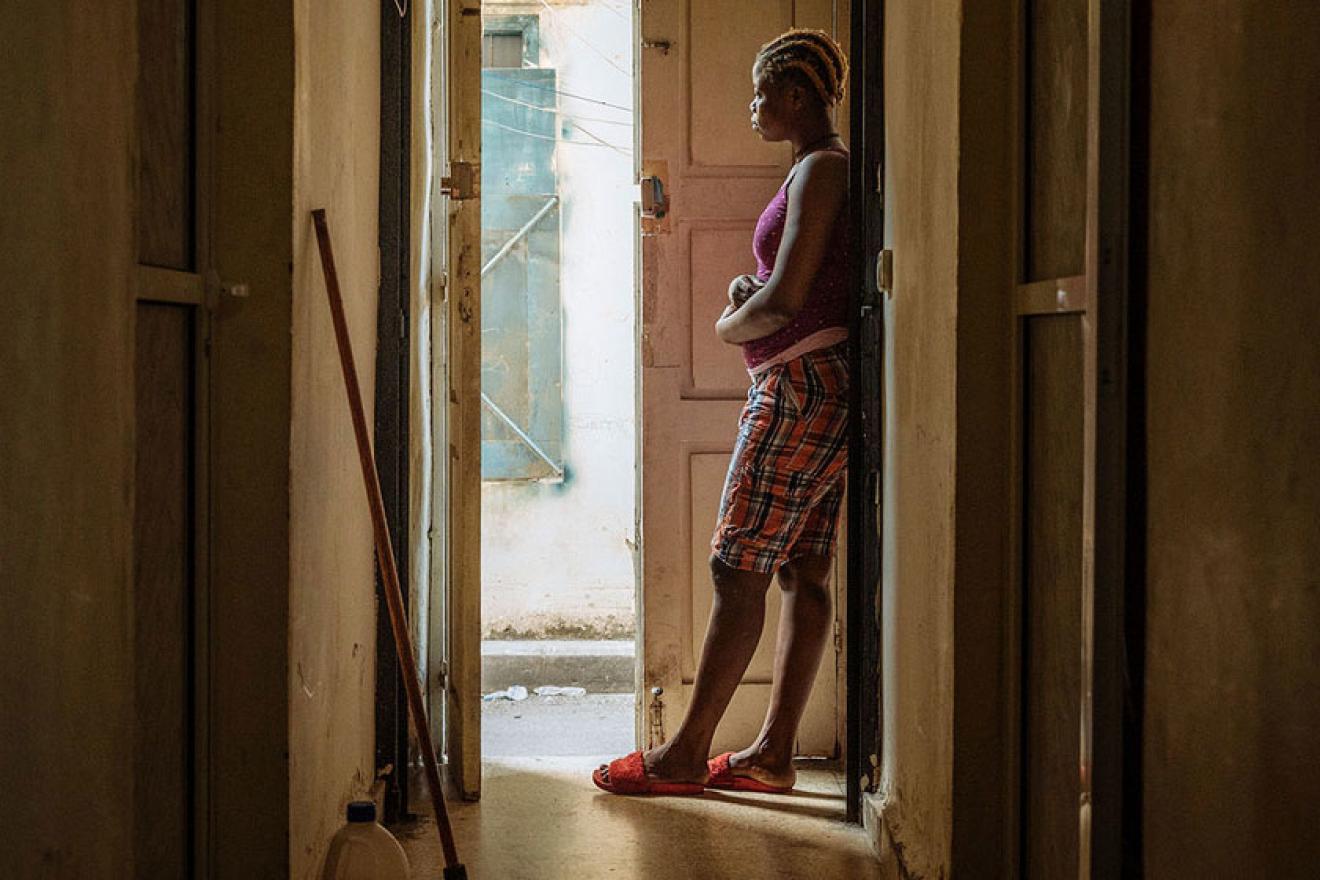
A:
393, 383
866, 435
1119, 64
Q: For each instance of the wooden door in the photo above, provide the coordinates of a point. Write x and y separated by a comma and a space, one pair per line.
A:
717, 175
1056, 304
454, 683
169, 524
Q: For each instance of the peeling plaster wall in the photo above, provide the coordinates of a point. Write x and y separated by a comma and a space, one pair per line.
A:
66, 430
1231, 771
922, 89
332, 607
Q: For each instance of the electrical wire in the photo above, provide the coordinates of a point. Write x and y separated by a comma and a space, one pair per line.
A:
622, 150
531, 106
546, 137
590, 45
542, 88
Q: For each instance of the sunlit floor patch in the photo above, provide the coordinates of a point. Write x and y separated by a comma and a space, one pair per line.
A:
542, 819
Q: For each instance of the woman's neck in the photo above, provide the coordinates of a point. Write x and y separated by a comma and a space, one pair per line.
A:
812, 137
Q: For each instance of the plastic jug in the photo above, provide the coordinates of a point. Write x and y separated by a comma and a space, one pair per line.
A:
363, 850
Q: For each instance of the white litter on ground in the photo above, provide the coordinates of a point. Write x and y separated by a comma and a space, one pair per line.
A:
515, 692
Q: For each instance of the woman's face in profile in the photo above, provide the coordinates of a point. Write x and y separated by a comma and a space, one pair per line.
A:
768, 107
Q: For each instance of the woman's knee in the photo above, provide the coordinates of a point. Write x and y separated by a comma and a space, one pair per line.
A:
736, 583
808, 575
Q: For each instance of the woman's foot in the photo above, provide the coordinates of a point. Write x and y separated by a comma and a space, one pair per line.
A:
668, 764
756, 762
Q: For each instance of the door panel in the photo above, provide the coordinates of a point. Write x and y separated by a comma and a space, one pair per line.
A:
165, 134
719, 175
1056, 392
170, 527
163, 591
1052, 595
1056, 139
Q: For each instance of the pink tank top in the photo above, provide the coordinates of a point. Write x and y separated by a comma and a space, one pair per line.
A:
824, 315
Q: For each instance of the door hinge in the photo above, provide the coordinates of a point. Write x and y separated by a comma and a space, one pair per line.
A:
884, 272
657, 718
442, 677
463, 182
838, 636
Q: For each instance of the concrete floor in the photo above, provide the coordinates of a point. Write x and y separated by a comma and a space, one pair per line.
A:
543, 819
595, 724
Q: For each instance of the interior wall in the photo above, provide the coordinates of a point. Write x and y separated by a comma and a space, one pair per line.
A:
948, 214
332, 604
1233, 379
921, 55
66, 418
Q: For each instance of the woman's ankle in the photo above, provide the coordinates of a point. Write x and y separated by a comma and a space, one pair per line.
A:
764, 754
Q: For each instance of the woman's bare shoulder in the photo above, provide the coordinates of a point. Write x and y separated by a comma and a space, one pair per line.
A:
824, 171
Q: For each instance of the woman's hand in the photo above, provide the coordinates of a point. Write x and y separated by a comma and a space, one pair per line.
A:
743, 288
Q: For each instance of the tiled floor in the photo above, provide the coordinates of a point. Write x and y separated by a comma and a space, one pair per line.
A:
542, 819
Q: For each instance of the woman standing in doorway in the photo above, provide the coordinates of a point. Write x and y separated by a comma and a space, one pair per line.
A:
780, 508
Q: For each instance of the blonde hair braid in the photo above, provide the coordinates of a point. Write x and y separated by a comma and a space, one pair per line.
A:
814, 55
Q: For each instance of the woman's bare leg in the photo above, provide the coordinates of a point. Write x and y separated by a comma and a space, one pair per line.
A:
736, 618
804, 628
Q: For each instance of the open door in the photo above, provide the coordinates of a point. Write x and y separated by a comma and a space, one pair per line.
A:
706, 178
454, 643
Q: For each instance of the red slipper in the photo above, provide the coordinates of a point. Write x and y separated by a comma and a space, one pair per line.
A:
627, 775
722, 776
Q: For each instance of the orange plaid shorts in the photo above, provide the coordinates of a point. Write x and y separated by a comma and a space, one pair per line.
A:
785, 483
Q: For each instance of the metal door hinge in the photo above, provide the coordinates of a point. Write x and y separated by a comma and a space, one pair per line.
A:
838, 636
463, 182
657, 713
442, 677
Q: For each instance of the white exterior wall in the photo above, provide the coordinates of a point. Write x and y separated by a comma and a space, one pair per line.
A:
559, 556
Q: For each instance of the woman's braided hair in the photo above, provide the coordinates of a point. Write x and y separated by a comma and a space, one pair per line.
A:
812, 56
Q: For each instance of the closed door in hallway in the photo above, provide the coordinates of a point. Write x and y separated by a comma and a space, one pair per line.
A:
169, 527
706, 176
1056, 309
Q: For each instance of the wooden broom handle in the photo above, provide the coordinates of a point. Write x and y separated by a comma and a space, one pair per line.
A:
384, 549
